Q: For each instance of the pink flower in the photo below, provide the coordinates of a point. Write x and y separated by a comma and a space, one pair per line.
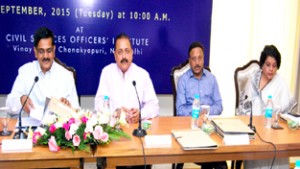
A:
52, 128
76, 140
104, 137
84, 119
85, 135
112, 122
68, 135
35, 137
66, 126
71, 121
98, 132
53, 145
78, 122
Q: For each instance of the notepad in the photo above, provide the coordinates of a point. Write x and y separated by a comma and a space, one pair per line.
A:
194, 139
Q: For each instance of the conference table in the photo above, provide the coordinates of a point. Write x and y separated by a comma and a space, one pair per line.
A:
127, 152
40, 156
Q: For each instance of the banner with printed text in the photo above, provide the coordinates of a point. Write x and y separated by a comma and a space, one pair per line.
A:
160, 30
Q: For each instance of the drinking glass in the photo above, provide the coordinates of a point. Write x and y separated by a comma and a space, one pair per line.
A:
276, 111
4, 117
205, 110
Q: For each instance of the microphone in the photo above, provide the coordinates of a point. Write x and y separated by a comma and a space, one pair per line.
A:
139, 132
20, 134
251, 116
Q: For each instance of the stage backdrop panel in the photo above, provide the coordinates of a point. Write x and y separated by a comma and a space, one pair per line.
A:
160, 32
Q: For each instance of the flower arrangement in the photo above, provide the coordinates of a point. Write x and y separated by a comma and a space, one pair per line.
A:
78, 130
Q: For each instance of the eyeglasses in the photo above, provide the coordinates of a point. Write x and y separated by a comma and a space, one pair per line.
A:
42, 51
122, 52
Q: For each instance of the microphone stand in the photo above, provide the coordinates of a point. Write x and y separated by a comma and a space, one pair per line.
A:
21, 134
139, 132
251, 115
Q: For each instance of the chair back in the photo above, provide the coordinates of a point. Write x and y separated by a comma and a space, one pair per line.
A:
241, 76
176, 73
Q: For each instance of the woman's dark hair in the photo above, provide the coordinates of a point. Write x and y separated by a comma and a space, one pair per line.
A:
42, 33
270, 50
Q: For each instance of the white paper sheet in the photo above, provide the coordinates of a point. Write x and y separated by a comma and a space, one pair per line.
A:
37, 113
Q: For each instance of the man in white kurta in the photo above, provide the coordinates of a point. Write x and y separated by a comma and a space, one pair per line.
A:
53, 79
116, 82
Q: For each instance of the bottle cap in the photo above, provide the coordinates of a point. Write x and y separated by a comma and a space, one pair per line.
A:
269, 97
297, 163
197, 96
106, 97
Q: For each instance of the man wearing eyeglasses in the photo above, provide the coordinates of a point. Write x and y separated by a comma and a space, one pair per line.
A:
116, 82
53, 79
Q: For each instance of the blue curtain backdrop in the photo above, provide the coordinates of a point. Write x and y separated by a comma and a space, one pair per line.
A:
161, 32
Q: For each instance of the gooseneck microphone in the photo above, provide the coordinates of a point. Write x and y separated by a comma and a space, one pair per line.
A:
251, 116
139, 132
20, 134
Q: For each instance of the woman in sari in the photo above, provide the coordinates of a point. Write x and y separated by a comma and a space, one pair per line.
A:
263, 83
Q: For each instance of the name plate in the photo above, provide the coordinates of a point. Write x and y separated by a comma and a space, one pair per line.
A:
17, 145
236, 139
158, 141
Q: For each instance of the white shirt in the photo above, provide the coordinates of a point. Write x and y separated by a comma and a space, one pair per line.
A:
121, 92
57, 82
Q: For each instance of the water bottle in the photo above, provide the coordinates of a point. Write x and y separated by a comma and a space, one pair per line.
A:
297, 165
106, 106
195, 112
269, 112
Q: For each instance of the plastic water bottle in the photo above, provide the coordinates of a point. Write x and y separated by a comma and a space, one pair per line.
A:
297, 164
195, 112
269, 112
106, 106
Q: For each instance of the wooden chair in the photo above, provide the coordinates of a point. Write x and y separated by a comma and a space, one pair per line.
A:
176, 73
241, 76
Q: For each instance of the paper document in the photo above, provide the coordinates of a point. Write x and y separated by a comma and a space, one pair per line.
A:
29, 121
287, 117
191, 139
37, 112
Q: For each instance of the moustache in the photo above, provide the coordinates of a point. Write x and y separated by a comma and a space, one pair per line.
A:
46, 60
124, 60
197, 66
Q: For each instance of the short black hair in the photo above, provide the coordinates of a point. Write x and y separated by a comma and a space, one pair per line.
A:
122, 36
195, 45
42, 33
270, 50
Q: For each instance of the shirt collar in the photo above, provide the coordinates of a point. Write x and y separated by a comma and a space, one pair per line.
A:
49, 71
191, 75
128, 71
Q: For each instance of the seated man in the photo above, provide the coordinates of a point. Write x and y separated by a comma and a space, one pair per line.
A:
53, 79
116, 82
198, 81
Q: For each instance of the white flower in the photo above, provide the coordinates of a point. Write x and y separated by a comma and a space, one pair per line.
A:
73, 129
50, 119
40, 130
90, 124
58, 124
103, 118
